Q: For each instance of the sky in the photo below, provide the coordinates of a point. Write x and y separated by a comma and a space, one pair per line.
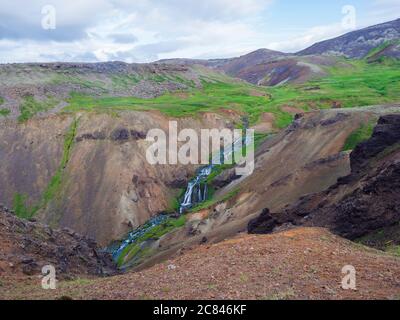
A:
149, 30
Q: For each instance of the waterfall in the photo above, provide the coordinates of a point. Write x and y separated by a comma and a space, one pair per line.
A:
195, 185
193, 196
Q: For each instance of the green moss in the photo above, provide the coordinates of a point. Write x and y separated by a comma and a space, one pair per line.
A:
4, 112
380, 48
393, 249
358, 84
211, 202
56, 181
359, 135
213, 96
259, 138
217, 170
138, 250
125, 81
1, 101
95, 85
20, 207
30, 107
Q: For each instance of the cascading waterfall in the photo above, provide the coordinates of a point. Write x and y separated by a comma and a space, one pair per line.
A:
196, 193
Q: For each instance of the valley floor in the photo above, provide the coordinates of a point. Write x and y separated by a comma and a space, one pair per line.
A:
303, 263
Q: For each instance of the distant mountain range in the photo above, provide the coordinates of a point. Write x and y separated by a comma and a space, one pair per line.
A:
268, 67
357, 44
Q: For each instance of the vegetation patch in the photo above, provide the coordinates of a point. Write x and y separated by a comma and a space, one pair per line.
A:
4, 112
125, 81
56, 181
138, 250
212, 202
83, 83
359, 84
363, 133
30, 107
387, 239
20, 206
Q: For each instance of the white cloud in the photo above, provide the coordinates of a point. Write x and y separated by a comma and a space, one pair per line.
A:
146, 30
140, 30
309, 37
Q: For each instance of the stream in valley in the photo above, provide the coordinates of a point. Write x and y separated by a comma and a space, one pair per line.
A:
196, 193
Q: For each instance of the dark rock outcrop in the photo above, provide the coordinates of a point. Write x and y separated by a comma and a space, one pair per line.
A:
26, 247
357, 205
386, 134
120, 134
225, 178
263, 224
97, 135
337, 118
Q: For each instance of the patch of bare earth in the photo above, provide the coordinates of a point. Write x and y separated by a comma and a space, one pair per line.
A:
303, 263
266, 123
292, 110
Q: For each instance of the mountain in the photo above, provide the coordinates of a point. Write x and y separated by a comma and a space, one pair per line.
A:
361, 204
232, 66
357, 44
49, 85
270, 68
306, 158
235, 66
73, 156
390, 49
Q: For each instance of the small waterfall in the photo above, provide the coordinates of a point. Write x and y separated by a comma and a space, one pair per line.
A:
196, 193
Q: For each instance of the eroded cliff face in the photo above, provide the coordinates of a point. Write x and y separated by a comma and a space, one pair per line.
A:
89, 172
365, 201
304, 159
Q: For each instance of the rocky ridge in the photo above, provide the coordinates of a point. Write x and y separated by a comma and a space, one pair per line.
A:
359, 204
28, 246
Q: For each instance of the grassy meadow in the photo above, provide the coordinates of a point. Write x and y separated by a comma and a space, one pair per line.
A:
358, 84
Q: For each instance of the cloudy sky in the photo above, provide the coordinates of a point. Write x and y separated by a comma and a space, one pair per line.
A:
148, 30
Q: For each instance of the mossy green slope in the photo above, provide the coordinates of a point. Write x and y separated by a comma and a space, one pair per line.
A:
19, 204
356, 83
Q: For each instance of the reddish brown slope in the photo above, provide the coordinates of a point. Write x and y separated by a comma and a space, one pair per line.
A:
299, 264
26, 247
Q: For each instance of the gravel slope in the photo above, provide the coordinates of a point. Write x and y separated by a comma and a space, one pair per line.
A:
303, 263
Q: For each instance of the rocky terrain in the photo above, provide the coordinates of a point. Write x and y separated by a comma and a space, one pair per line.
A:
51, 84
280, 179
26, 247
357, 44
298, 264
359, 204
73, 167
89, 172
270, 68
